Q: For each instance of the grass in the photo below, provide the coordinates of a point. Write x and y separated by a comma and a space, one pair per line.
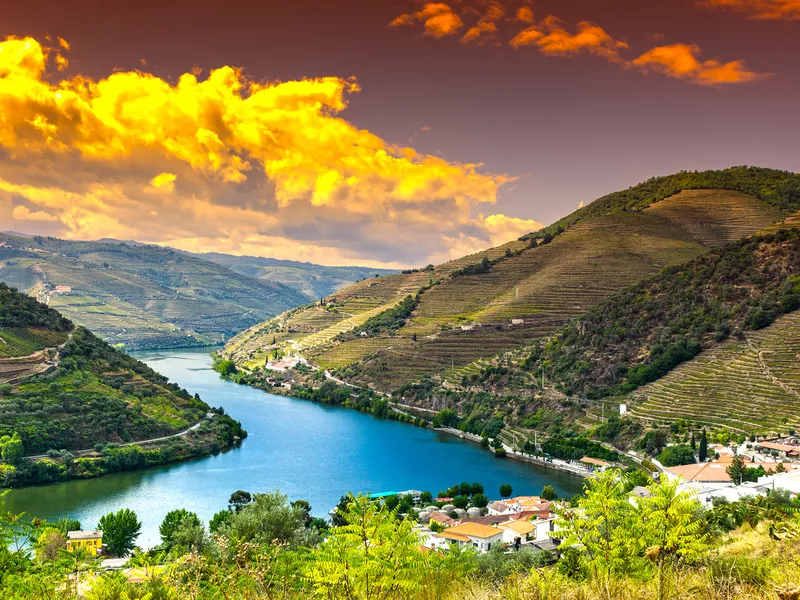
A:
750, 385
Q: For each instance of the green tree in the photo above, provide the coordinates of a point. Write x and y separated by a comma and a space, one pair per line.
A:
476, 488
269, 518
506, 490
49, 544
225, 367
673, 528
702, 453
11, 450
173, 520
219, 519
736, 470
239, 499
461, 502
679, 454
480, 500
120, 530
426, 497
445, 418
549, 493
464, 489
375, 556
602, 524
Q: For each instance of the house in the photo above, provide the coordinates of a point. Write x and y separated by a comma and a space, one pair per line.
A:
524, 530
517, 321
90, 541
717, 472
62, 289
501, 508
480, 537
782, 450
467, 327
442, 519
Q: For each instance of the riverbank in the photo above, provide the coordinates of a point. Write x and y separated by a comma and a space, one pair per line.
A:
215, 434
338, 393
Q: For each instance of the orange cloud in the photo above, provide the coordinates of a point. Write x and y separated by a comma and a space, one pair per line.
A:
256, 161
680, 61
553, 39
23, 213
525, 14
164, 182
438, 18
759, 9
486, 27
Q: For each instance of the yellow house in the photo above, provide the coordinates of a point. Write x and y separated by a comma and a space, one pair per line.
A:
90, 541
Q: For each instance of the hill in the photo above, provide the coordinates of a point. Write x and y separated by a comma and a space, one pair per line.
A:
141, 295
471, 309
313, 281
86, 404
749, 385
639, 335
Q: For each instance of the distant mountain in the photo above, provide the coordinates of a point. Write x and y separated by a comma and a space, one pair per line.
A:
465, 312
144, 296
67, 394
313, 281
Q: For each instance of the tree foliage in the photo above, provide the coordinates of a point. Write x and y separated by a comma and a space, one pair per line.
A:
120, 530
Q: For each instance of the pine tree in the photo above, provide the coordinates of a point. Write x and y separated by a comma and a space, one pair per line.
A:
694, 443
703, 454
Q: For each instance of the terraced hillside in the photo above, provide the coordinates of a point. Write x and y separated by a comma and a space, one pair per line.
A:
75, 393
749, 385
142, 296
527, 289
313, 281
638, 335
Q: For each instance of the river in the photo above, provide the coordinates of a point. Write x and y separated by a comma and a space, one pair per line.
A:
303, 449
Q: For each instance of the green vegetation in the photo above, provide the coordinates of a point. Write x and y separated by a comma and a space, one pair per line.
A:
391, 319
575, 448
679, 454
120, 530
665, 547
83, 414
641, 333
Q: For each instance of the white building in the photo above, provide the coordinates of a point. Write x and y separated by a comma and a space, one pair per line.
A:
480, 537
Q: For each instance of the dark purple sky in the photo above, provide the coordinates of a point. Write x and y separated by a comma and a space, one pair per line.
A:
569, 127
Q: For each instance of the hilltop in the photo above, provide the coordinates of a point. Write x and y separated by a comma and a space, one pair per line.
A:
140, 295
313, 281
66, 394
464, 312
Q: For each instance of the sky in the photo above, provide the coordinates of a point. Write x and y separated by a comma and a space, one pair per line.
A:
383, 133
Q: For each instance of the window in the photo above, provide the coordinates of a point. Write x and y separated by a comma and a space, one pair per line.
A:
489, 546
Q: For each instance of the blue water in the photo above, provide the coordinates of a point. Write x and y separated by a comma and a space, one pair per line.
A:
305, 450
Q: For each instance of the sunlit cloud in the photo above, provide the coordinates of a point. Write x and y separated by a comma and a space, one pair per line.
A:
164, 182
438, 20
759, 9
553, 39
227, 163
23, 213
486, 28
681, 62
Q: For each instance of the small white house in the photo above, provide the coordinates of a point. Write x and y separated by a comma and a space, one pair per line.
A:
480, 537
502, 508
